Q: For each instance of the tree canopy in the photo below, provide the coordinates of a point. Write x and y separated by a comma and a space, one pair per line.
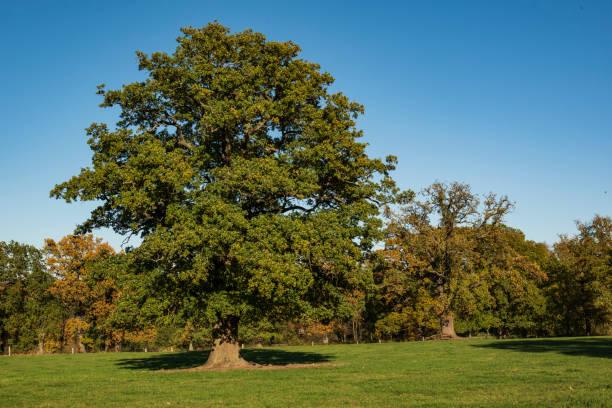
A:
581, 287
244, 176
436, 238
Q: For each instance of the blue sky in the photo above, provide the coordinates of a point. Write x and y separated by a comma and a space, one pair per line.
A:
511, 97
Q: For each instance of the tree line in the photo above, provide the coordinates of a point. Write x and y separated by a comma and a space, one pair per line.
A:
449, 267
262, 218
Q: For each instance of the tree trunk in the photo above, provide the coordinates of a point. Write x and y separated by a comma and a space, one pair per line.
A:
80, 346
588, 326
447, 326
41, 346
190, 345
226, 350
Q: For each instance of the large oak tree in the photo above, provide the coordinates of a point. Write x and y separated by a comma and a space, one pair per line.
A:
435, 239
244, 176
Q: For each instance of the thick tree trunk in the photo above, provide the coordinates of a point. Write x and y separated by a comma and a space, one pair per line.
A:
447, 326
226, 350
41, 346
190, 345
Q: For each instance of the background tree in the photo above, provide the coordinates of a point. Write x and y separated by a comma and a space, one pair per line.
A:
510, 298
68, 260
28, 312
580, 290
435, 240
105, 277
402, 305
243, 176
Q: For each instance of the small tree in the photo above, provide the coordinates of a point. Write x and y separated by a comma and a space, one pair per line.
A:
242, 174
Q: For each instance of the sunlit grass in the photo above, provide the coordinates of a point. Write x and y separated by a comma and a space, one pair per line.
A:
566, 372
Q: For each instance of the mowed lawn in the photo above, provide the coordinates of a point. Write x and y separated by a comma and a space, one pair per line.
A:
564, 372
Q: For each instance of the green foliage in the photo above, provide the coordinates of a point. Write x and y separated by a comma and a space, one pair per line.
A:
580, 291
509, 297
28, 313
242, 174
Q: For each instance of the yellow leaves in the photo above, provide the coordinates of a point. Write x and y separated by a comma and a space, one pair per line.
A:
52, 345
319, 329
71, 253
68, 259
141, 336
71, 290
73, 327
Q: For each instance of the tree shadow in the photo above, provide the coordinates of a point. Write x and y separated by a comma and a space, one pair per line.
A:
281, 357
191, 359
591, 347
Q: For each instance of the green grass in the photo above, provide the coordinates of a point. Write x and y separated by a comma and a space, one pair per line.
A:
474, 373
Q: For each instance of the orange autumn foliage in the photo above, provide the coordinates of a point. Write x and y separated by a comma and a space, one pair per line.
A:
68, 260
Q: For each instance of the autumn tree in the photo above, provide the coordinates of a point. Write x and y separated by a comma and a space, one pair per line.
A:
244, 176
68, 260
435, 239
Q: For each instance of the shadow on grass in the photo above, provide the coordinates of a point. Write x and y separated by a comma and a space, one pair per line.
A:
190, 359
591, 347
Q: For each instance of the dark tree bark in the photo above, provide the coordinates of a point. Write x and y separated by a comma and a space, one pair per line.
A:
588, 326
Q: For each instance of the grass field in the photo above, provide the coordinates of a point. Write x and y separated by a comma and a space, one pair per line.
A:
568, 372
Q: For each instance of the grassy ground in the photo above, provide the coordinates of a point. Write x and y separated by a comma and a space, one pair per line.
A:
574, 372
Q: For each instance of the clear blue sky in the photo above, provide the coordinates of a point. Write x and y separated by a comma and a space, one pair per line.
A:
511, 97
